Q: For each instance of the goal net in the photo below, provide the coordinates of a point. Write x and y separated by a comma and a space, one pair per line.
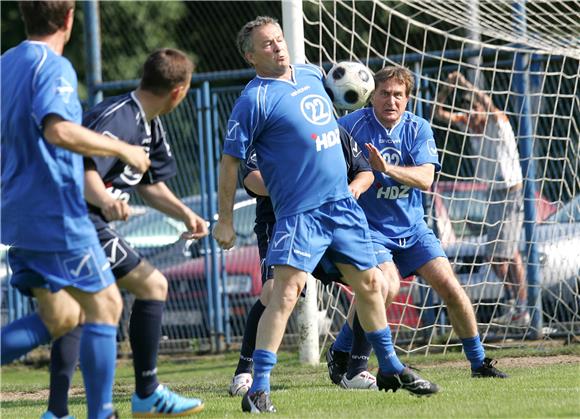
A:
524, 57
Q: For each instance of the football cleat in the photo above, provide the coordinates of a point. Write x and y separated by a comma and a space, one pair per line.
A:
488, 369
258, 402
164, 403
337, 364
362, 381
240, 384
407, 380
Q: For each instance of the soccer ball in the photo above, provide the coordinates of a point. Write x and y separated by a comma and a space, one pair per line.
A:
349, 84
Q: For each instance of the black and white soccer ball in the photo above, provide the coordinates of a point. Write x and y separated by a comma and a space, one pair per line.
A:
349, 84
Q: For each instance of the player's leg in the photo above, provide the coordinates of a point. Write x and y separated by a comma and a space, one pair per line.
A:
242, 379
150, 289
98, 346
61, 312
58, 313
357, 267
392, 373
288, 284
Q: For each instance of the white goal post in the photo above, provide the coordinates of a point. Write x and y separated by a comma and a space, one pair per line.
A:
525, 55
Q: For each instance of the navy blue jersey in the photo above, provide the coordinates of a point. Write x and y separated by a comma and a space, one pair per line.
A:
393, 209
42, 202
356, 162
122, 117
292, 127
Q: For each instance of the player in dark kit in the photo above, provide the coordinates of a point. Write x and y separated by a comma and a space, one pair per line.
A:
134, 117
360, 178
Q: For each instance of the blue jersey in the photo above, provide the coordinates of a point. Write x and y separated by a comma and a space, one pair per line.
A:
292, 127
43, 207
123, 118
393, 209
356, 162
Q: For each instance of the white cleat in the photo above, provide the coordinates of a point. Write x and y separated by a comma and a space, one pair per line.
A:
362, 381
240, 385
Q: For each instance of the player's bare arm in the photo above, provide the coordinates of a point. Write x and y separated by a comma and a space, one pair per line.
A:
79, 139
361, 182
223, 231
160, 197
255, 183
96, 194
420, 177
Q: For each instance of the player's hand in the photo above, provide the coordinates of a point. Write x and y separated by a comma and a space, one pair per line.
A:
136, 157
196, 228
225, 235
355, 190
115, 210
377, 161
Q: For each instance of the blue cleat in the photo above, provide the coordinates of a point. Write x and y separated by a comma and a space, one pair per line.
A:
49, 415
164, 403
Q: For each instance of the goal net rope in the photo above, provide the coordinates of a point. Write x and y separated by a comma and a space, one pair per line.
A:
494, 45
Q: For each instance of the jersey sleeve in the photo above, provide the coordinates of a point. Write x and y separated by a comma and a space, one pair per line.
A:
249, 165
356, 162
424, 149
55, 92
163, 165
243, 127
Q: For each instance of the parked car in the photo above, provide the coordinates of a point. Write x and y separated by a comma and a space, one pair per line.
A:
459, 209
157, 237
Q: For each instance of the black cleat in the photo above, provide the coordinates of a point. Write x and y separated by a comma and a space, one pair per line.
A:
258, 402
337, 363
488, 369
407, 380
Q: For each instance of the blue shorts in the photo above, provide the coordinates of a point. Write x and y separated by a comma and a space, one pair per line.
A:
86, 269
300, 240
408, 253
122, 256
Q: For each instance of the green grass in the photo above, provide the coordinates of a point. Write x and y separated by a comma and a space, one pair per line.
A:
539, 387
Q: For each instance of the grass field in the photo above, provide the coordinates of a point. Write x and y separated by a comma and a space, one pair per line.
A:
544, 383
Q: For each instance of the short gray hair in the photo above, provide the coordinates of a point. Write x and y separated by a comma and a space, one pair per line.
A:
244, 39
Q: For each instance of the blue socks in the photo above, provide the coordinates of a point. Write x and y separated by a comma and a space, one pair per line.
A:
343, 341
98, 359
64, 356
381, 340
474, 351
249, 339
264, 361
144, 336
21, 336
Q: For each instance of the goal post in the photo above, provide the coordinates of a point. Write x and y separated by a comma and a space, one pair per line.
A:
307, 308
525, 55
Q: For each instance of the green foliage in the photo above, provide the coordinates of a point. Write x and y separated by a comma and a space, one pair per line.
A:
538, 387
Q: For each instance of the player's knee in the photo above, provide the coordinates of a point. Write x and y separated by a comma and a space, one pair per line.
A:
157, 286
289, 295
61, 320
105, 306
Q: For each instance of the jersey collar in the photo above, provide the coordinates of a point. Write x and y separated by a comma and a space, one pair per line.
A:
388, 130
143, 116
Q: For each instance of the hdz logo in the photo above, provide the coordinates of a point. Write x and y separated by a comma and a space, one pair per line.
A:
327, 139
316, 109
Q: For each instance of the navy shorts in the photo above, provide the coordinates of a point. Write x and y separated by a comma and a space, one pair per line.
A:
264, 232
300, 240
408, 253
122, 256
86, 269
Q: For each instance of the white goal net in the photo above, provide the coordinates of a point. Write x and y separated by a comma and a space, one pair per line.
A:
524, 57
